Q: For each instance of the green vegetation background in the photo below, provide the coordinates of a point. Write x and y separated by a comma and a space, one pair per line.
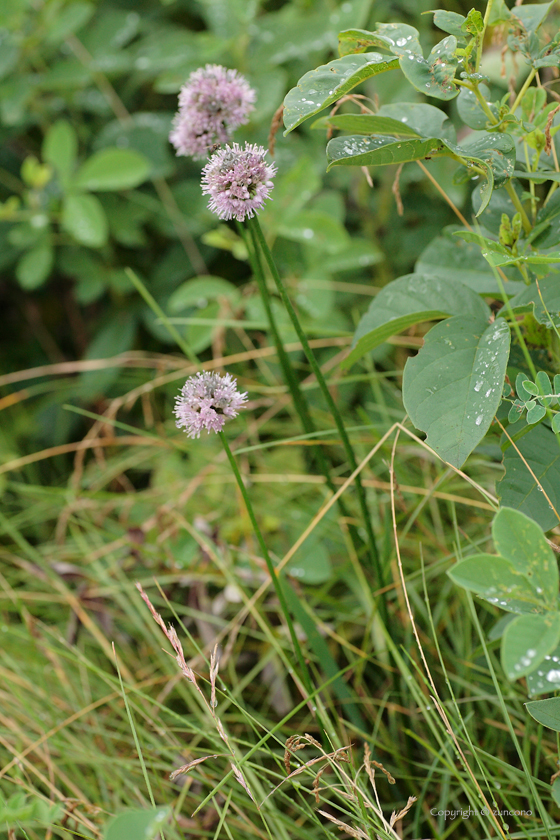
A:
88, 507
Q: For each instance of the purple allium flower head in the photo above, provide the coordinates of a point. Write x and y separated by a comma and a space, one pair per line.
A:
213, 102
238, 181
206, 401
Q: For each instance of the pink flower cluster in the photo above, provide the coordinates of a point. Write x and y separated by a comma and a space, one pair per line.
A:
238, 181
213, 102
206, 401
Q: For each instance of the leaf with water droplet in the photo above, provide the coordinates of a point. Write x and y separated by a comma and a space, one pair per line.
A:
526, 642
450, 415
520, 540
519, 488
410, 300
329, 82
497, 581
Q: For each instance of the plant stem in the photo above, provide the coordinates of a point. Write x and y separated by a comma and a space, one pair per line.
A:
270, 566
523, 90
484, 105
156, 308
480, 44
298, 396
527, 226
315, 367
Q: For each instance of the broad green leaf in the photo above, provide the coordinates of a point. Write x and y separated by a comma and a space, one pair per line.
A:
35, 266
9, 52
313, 564
546, 712
426, 120
69, 20
360, 254
146, 133
518, 489
366, 124
448, 256
449, 22
543, 298
316, 228
410, 300
112, 169
199, 291
453, 387
526, 642
83, 218
353, 150
326, 84
521, 541
497, 581
549, 217
532, 16
60, 148
143, 824
433, 76
497, 151
545, 677
535, 413
470, 109
352, 41
116, 336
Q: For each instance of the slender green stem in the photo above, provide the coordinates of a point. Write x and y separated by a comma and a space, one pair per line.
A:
525, 221
156, 308
315, 367
270, 566
523, 90
300, 402
484, 104
483, 33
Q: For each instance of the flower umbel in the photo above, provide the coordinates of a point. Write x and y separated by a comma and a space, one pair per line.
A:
238, 181
206, 401
213, 102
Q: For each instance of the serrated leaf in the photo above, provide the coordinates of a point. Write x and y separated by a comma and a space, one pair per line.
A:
526, 642
519, 489
112, 169
497, 581
410, 300
453, 387
326, 84
84, 218
546, 712
520, 540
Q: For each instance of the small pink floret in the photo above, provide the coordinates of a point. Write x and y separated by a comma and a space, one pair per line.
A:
206, 401
213, 102
238, 181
